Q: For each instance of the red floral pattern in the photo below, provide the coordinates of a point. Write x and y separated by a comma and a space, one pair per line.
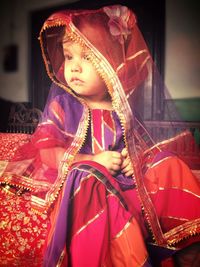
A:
22, 232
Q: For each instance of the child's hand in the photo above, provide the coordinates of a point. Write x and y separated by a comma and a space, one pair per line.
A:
126, 166
112, 160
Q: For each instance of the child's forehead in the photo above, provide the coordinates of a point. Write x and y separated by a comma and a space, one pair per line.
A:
73, 46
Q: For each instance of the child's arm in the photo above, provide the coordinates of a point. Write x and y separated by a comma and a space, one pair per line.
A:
52, 156
112, 160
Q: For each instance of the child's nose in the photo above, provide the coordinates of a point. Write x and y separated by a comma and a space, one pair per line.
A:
76, 67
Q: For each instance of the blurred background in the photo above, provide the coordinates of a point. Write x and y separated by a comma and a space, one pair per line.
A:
170, 27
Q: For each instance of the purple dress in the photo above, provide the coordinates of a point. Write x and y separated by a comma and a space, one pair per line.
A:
87, 189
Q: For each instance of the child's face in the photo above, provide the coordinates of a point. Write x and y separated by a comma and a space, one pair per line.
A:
80, 74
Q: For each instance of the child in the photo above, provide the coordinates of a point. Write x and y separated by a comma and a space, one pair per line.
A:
94, 160
110, 147
109, 189
82, 77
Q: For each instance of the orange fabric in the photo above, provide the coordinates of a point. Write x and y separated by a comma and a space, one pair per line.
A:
169, 173
175, 196
128, 247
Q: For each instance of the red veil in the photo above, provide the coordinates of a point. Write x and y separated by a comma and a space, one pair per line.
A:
121, 57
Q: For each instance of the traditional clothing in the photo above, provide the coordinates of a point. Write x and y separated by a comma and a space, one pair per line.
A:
97, 219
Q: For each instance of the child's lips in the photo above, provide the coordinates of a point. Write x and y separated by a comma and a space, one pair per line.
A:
76, 80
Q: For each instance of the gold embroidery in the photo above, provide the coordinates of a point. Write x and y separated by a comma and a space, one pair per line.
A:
160, 161
173, 187
10, 143
89, 222
176, 218
124, 229
62, 255
64, 132
3, 165
131, 58
182, 232
170, 140
102, 131
55, 108
82, 180
22, 232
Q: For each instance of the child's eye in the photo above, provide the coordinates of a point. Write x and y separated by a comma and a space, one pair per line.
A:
86, 57
68, 57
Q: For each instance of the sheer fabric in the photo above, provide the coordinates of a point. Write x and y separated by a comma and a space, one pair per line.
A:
118, 52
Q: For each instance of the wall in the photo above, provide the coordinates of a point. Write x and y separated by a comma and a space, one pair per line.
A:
182, 57
14, 85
